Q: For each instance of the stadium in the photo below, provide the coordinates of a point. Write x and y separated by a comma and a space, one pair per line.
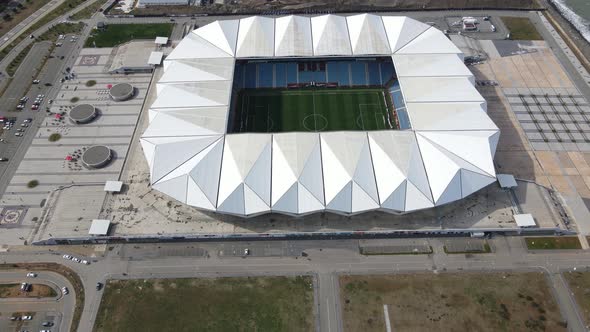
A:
299, 115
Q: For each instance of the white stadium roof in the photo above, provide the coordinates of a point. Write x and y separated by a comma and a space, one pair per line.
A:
447, 155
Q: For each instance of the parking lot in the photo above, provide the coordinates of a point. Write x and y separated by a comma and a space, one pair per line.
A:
35, 324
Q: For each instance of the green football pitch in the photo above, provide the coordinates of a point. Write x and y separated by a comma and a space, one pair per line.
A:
311, 109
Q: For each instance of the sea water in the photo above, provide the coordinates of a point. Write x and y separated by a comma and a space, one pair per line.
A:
577, 12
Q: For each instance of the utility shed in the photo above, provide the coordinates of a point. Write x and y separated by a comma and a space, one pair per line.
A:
99, 227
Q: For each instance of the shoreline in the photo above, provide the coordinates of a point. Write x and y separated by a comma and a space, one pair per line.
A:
573, 33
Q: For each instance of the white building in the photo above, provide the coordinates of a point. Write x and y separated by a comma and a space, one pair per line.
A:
446, 156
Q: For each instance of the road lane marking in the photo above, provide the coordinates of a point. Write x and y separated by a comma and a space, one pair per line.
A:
387, 322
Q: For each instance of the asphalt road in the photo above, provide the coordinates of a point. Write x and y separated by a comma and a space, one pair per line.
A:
326, 260
27, 22
14, 148
62, 305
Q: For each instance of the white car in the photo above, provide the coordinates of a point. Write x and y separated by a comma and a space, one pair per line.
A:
65, 290
67, 257
76, 259
31, 274
18, 134
85, 262
26, 317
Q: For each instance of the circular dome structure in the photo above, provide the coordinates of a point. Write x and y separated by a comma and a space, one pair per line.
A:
121, 91
441, 151
82, 113
97, 156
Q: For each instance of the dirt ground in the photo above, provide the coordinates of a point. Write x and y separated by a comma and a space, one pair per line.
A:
306, 6
579, 284
450, 302
37, 290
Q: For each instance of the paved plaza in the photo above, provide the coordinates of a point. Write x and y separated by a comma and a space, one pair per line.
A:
57, 164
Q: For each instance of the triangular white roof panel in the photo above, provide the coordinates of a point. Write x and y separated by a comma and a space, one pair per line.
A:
199, 70
431, 41
472, 182
195, 94
195, 47
367, 34
222, 34
255, 37
430, 65
330, 35
401, 30
449, 116
439, 90
293, 36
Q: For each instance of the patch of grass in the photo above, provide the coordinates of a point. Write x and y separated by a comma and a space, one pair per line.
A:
54, 137
521, 28
74, 100
553, 242
32, 184
37, 290
116, 34
579, 284
450, 302
311, 109
90, 83
88, 11
216, 304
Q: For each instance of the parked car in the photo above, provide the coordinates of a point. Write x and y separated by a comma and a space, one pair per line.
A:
25, 287
67, 256
3, 159
36, 81
98, 286
76, 259
17, 134
65, 290
47, 324
27, 317
85, 262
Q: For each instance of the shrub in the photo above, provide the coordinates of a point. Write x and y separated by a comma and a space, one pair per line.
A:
90, 83
54, 137
74, 100
32, 184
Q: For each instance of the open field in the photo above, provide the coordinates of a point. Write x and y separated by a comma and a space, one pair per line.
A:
37, 290
450, 302
552, 242
310, 109
116, 34
208, 304
521, 28
579, 284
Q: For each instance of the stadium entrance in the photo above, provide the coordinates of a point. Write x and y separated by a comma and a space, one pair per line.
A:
316, 95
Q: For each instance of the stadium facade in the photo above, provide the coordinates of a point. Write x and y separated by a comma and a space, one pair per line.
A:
442, 151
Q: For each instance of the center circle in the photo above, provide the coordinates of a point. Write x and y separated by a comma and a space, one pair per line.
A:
315, 122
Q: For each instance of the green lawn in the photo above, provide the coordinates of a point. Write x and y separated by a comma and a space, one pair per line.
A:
116, 34
208, 304
311, 109
553, 242
521, 28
